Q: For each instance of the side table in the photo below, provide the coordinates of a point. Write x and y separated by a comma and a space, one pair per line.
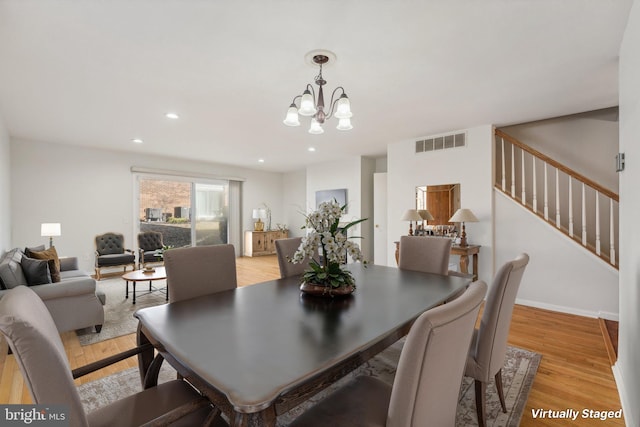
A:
136, 276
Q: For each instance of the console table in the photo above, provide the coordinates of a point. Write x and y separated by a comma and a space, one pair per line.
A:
258, 243
463, 252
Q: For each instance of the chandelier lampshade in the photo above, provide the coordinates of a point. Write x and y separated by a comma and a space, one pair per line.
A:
313, 106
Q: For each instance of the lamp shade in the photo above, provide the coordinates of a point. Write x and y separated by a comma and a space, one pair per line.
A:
425, 215
344, 124
463, 215
343, 109
49, 229
259, 214
292, 116
411, 215
306, 104
315, 128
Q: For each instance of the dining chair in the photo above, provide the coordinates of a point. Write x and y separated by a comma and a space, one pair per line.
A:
489, 343
425, 253
285, 248
199, 270
428, 378
34, 340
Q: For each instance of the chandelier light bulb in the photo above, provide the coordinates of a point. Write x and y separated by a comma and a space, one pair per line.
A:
306, 104
344, 124
292, 116
343, 109
315, 128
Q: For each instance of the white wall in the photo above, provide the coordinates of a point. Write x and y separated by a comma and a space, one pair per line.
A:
90, 191
561, 275
627, 368
294, 199
5, 190
347, 173
470, 166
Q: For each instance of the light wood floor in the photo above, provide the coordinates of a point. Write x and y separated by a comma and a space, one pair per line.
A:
574, 373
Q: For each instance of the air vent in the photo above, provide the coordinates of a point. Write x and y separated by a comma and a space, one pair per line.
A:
441, 142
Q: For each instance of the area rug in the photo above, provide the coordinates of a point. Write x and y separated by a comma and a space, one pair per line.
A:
518, 374
118, 310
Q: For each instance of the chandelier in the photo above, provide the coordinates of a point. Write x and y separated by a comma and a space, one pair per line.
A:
313, 107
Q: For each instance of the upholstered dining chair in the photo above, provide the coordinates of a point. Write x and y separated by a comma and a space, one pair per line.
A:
427, 382
149, 243
489, 343
111, 252
200, 270
425, 254
285, 248
39, 352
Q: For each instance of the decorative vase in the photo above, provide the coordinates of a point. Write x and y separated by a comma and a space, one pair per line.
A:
326, 291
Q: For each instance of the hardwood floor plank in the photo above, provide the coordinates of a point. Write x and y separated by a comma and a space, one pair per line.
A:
575, 371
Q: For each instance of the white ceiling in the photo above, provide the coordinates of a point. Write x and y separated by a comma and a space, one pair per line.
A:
99, 73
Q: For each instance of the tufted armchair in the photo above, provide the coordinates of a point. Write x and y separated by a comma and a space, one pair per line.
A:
149, 242
110, 252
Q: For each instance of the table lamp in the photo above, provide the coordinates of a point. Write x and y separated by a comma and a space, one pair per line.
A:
259, 214
463, 215
411, 215
50, 229
425, 215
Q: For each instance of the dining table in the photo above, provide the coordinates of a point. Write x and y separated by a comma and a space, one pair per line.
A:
257, 351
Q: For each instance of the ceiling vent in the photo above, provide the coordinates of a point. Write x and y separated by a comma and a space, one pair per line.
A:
441, 142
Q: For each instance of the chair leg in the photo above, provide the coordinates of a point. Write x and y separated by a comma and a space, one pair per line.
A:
498, 379
98, 273
480, 403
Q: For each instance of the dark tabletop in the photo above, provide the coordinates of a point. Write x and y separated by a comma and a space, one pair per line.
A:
257, 342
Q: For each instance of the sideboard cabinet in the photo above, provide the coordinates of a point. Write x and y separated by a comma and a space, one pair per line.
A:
257, 243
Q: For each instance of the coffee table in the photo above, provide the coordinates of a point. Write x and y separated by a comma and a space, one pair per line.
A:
136, 276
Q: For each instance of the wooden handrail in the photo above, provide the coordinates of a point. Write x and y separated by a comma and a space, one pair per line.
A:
559, 166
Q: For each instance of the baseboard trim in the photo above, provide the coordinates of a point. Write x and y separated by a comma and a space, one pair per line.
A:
622, 392
568, 310
607, 341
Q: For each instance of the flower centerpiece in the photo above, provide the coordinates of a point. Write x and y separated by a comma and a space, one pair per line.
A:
329, 239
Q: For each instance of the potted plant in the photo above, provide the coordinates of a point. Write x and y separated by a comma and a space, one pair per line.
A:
327, 237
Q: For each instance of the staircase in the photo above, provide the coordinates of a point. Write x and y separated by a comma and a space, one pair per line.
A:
572, 203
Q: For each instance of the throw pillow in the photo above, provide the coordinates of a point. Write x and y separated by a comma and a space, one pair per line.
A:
33, 249
36, 271
54, 263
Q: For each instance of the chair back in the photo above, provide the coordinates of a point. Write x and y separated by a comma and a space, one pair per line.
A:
32, 335
110, 243
425, 254
427, 382
285, 248
200, 270
491, 342
150, 240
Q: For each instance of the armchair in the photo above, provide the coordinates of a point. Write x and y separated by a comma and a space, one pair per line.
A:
110, 252
149, 243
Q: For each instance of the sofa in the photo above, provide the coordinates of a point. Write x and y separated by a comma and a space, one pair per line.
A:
73, 301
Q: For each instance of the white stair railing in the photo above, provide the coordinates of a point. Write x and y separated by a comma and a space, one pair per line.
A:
596, 206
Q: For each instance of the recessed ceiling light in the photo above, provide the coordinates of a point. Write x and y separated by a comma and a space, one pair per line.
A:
172, 116
137, 141
260, 160
312, 149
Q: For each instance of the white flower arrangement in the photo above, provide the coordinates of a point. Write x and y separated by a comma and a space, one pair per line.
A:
326, 234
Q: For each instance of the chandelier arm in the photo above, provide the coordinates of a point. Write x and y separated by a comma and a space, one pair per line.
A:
294, 100
332, 102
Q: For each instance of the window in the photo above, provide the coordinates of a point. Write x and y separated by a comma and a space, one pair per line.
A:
188, 212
